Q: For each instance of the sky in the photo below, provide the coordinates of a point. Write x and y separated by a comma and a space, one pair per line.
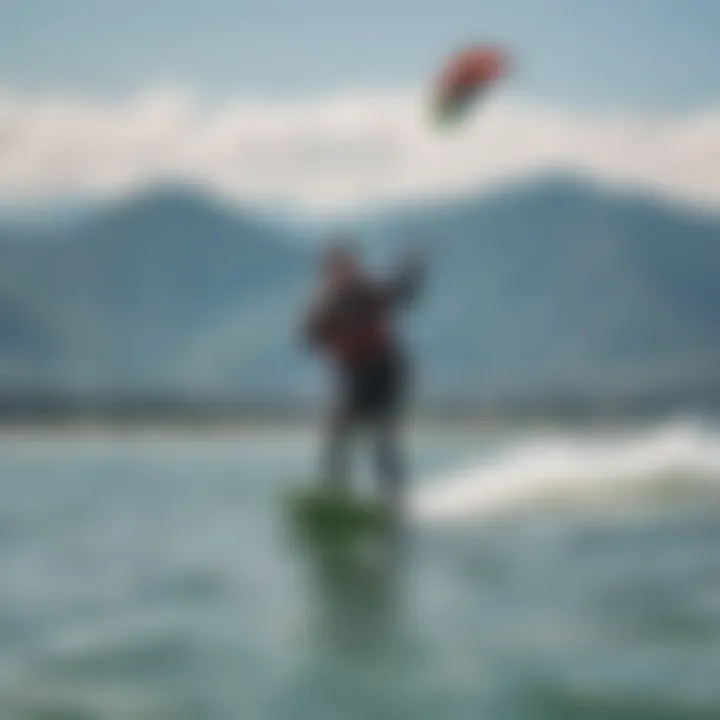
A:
327, 95
659, 54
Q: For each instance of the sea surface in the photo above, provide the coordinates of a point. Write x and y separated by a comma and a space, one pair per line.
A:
546, 573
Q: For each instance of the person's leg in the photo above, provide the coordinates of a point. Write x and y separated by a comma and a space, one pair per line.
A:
389, 461
336, 476
338, 434
387, 425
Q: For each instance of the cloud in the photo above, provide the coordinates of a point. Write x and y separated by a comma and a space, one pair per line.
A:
344, 151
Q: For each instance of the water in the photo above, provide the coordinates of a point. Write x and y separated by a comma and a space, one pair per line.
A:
549, 575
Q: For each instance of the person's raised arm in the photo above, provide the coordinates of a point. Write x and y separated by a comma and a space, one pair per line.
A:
408, 280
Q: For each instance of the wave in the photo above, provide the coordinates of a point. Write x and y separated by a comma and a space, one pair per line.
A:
678, 460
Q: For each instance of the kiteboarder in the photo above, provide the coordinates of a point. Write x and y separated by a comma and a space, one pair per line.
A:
350, 323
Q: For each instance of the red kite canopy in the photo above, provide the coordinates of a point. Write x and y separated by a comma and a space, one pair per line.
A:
465, 77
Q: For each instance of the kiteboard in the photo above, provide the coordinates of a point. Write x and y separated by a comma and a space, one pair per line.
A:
335, 518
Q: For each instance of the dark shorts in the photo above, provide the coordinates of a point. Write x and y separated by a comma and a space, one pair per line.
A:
376, 390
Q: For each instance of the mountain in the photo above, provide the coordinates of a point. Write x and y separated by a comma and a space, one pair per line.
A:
556, 289
123, 298
561, 288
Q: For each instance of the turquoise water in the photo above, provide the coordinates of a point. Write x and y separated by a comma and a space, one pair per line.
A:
547, 576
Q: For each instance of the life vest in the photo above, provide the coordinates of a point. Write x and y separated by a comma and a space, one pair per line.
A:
358, 328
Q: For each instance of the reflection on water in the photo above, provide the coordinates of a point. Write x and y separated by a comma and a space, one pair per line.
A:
356, 591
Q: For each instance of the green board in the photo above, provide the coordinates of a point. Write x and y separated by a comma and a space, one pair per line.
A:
335, 518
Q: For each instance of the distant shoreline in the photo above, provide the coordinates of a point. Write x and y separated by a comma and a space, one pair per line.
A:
67, 410
133, 421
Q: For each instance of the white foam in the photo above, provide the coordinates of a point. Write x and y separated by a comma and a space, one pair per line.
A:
573, 470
